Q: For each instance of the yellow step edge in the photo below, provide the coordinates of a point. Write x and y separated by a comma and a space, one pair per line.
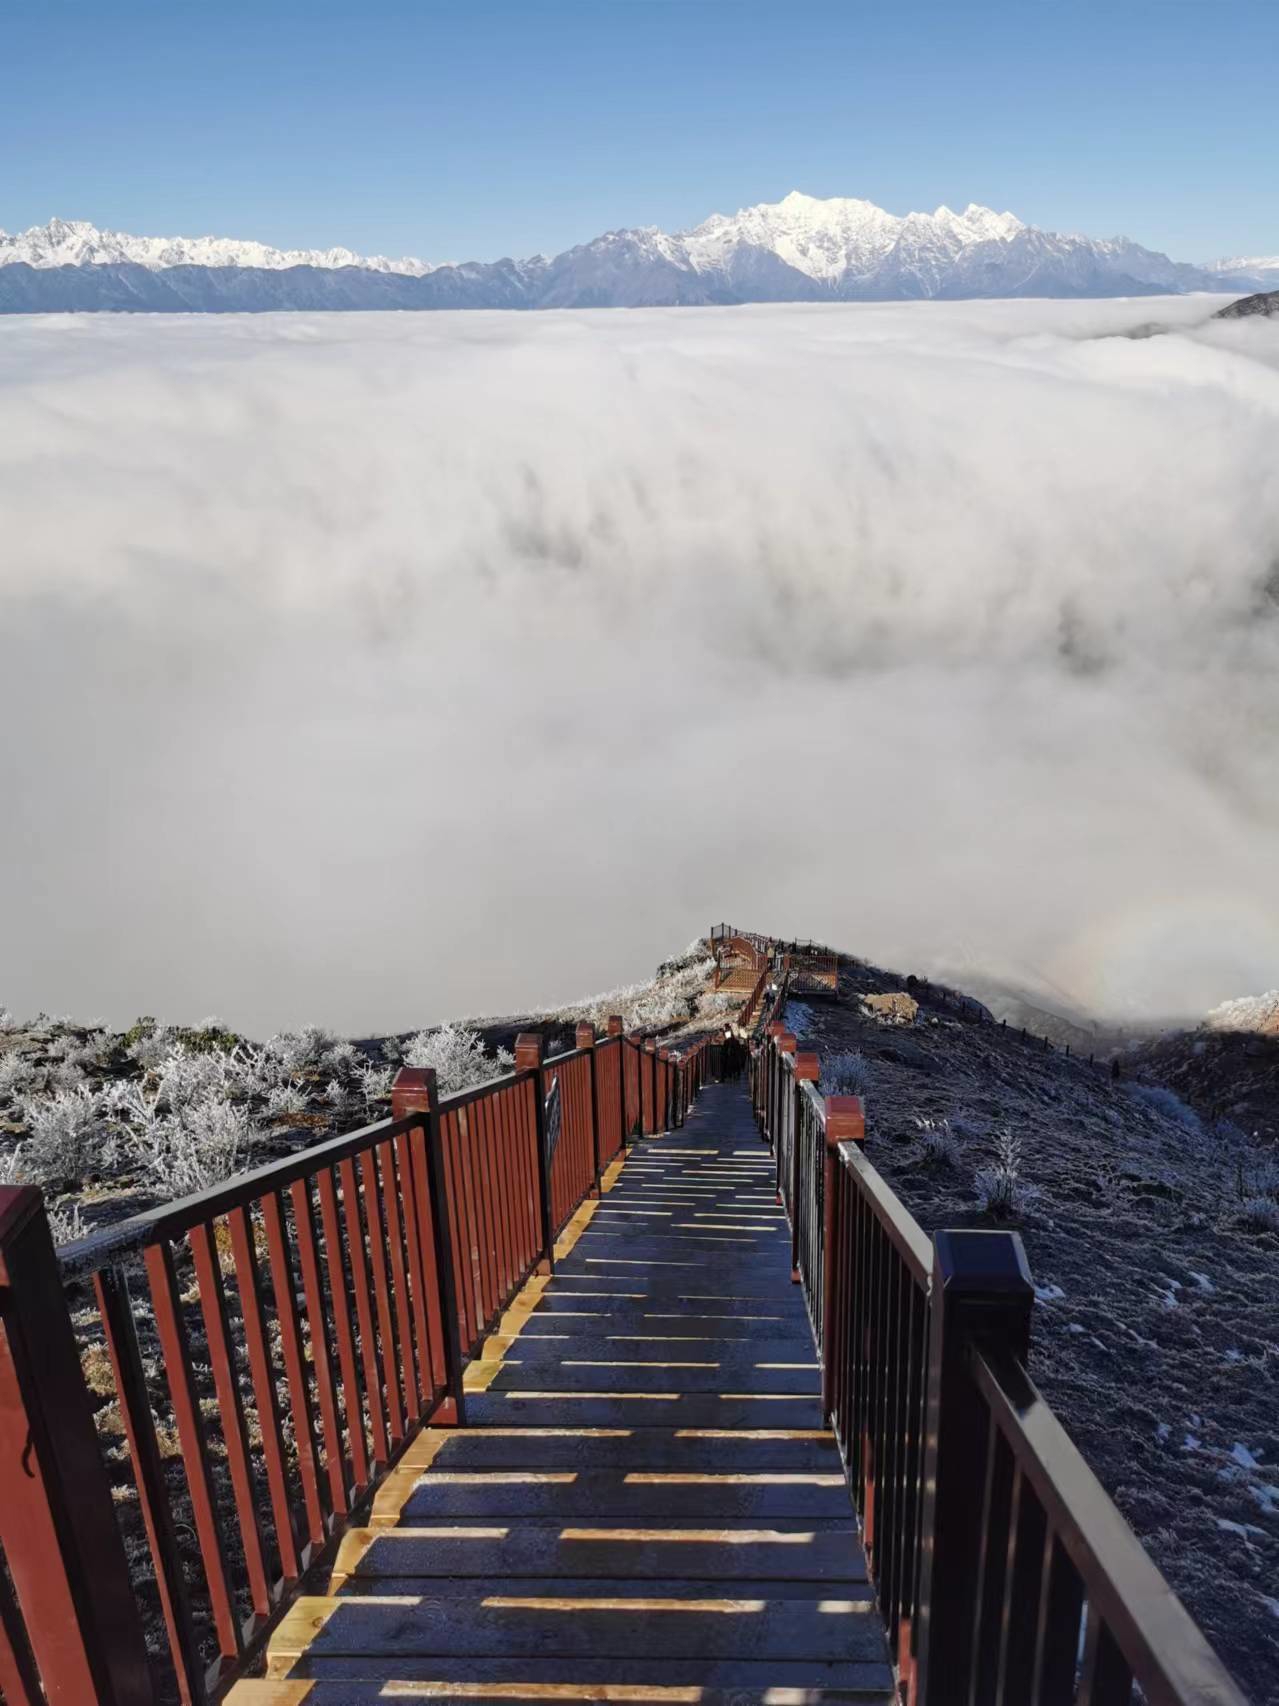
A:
264, 1691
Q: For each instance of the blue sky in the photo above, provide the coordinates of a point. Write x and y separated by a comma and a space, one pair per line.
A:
471, 131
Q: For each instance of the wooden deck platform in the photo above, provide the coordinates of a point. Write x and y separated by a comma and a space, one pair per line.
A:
644, 1506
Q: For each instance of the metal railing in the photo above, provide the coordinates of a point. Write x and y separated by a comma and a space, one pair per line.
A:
261, 1355
1004, 1573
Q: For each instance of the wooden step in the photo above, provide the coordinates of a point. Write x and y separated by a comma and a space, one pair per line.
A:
843, 1630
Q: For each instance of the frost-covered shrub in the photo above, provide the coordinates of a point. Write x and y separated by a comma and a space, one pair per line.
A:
341, 1060
7, 1021
1160, 1100
15, 1076
1259, 1214
296, 1051
846, 1074
458, 1056
67, 1075
185, 1076
336, 1093
149, 1047
192, 1150
65, 1222
66, 1136
1000, 1189
375, 1084
11, 1168
641, 1005
285, 1101
939, 1143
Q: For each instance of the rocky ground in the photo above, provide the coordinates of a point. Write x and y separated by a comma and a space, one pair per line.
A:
1153, 1236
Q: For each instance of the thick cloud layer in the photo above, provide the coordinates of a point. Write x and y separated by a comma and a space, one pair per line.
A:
369, 669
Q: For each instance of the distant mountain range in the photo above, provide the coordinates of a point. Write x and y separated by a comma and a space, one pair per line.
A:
800, 249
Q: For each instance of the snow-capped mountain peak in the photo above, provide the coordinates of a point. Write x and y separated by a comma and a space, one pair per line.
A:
800, 249
76, 243
841, 236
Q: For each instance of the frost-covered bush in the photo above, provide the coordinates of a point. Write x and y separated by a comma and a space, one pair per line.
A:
15, 1076
149, 1047
11, 1169
341, 1060
458, 1056
846, 1074
66, 1136
200, 1146
1000, 1189
7, 1021
285, 1101
665, 999
1160, 1100
296, 1051
1259, 1214
65, 1222
375, 1084
939, 1143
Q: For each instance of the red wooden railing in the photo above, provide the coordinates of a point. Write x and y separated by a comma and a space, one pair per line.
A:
268, 1349
1003, 1572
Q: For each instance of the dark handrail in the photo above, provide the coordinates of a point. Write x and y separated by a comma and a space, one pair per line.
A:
1168, 1656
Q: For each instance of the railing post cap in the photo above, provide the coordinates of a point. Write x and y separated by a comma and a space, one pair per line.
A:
615, 1025
808, 1066
787, 1042
585, 1033
972, 1262
413, 1092
528, 1051
845, 1120
650, 1045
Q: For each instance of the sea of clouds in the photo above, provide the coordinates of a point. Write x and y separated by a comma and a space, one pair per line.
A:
372, 669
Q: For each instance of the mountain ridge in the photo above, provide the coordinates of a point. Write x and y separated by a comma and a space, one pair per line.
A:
802, 248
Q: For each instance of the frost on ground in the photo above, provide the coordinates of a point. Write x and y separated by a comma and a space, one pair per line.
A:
111, 1122
1153, 1237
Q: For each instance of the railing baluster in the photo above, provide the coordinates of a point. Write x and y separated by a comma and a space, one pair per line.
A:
321, 1349
175, 1349
381, 1293
344, 1332
121, 1335
1105, 1679
286, 1314
392, 1195
1021, 1596
992, 1567
358, 1258
235, 1434
1061, 1603
266, 1397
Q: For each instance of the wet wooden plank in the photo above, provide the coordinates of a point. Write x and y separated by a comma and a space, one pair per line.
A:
829, 1629
639, 1495
631, 1448
806, 1552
